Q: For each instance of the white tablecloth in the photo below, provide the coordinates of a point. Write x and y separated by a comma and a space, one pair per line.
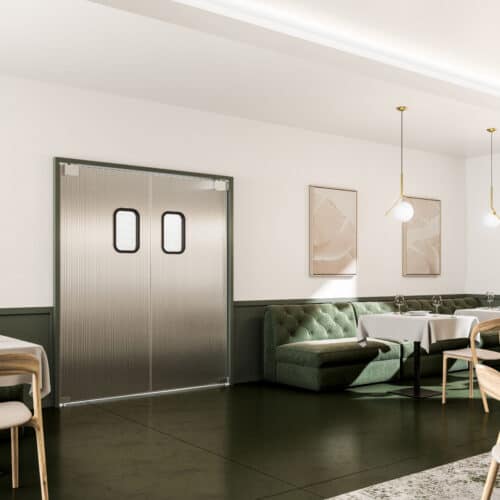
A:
424, 329
481, 313
9, 345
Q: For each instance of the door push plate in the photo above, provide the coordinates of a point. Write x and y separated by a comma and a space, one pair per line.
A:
221, 185
70, 170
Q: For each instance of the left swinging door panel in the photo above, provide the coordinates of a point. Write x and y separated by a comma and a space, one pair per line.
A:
105, 331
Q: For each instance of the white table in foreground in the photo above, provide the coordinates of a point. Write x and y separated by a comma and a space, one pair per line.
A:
481, 313
421, 330
11, 345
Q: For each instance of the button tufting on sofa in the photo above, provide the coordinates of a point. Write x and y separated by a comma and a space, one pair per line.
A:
309, 339
325, 328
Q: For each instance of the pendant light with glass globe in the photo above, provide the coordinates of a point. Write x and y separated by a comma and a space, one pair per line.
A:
402, 209
491, 219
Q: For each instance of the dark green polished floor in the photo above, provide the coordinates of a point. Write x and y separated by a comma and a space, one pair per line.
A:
248, 442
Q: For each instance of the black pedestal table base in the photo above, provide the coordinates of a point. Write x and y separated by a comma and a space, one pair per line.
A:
416, 391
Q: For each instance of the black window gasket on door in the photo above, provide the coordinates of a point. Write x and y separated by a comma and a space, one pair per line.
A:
183, 233
137, 229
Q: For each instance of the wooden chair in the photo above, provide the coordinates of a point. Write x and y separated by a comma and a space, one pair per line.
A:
492, 472
467, 355
489, 384
488, 378
14, 414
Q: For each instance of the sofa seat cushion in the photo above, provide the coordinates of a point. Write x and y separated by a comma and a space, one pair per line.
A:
320, 353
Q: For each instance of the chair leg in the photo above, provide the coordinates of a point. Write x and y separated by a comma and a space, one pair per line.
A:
42, 464
14, 455
471, 379
490, 480
445, 370
485, 402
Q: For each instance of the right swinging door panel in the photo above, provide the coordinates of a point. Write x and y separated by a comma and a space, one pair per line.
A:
188, 282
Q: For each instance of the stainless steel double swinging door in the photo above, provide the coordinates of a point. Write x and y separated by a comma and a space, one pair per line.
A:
142, 281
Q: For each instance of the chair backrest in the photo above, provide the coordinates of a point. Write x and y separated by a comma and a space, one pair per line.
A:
488, 378
24, 364
14, 363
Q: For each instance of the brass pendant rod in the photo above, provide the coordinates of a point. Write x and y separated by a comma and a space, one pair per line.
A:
402, 178
401, 109
492, 204
491, 173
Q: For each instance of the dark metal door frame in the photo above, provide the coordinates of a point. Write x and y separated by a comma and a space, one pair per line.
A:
59, 163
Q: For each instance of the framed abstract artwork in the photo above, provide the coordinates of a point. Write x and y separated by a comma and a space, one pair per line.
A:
333, 231
422, 239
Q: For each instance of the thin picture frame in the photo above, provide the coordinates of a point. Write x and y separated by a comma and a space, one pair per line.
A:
406, 271
312, 268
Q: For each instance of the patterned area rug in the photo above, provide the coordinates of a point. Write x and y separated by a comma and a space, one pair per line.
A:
462, 480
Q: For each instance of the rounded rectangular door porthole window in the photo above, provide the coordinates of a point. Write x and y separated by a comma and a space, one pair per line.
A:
126, 230
173, 232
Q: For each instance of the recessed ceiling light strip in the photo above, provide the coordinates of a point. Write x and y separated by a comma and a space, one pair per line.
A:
282, 22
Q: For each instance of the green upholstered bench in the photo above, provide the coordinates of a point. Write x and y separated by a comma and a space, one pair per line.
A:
315, 347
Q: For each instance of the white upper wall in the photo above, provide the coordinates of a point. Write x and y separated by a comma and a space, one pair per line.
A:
261, 76
483, 243
272, 166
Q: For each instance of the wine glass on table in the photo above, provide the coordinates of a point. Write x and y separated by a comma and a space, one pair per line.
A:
437, 302
399, 301
490, 299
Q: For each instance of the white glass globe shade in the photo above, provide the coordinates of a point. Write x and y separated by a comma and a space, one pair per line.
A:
491, 220
403, 211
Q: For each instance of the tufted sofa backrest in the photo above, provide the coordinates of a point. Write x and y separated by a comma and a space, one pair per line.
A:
451, 305
361, 308
296, 323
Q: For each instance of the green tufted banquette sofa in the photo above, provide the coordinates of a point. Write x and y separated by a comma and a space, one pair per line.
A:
314, 346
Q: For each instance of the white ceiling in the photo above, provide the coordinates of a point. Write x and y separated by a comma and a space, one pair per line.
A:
452, 40
186, 56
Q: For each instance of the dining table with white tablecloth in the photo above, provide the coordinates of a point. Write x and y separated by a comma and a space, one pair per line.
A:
424, 328
481, 313
12, 345
421, 328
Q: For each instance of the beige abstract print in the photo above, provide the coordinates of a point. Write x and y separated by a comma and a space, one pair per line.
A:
422, 239
333, 231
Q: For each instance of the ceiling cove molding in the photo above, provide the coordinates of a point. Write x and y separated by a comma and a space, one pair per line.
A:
282, 22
